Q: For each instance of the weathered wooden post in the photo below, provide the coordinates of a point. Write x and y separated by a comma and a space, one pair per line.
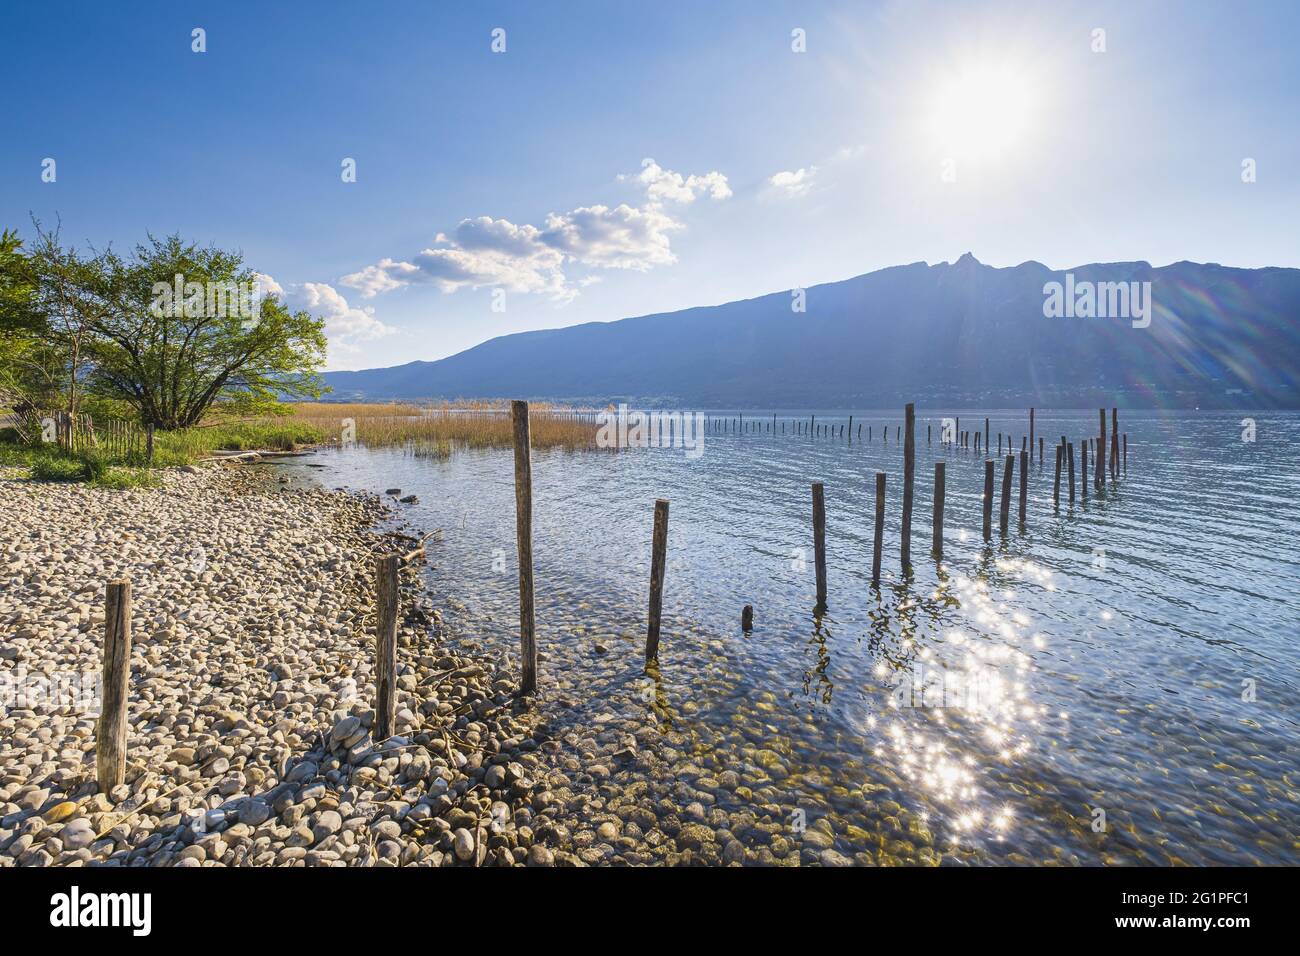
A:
1056, 482
927, 434
850, 428
1101, 448
1031, 435
879, 540
1004, 514
110, 733
1024, 484
1040, 451
1083, 469
909, 476
524, 541
747, 618
386, 601
658, 560
988, 498
819, 540
1069, 454
936, 547
148, 443
1114, 443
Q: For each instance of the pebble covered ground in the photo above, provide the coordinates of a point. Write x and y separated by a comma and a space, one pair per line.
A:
249, 709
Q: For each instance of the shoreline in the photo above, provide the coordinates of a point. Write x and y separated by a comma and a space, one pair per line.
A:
251, 688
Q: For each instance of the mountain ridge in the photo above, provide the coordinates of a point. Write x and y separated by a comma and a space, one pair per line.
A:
958, 333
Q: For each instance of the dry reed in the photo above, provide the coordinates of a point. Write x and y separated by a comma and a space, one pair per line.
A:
432, 430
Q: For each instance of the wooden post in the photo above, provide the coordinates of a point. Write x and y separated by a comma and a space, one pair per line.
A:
879, 540
1083, 469
386, 600
747, 618
986, 435
850, 428
1040, 451
148, 443
927, 433
819, 541
1024, 484
909, 477
936, 547
1004, 514
1031, 436
1126, 453
1069, 454
524, 541
658, 558
110, 733
1056, 482
988, 498
1101, 448
1114, 443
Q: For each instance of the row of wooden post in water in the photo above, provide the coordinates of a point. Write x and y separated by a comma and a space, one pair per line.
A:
110, 745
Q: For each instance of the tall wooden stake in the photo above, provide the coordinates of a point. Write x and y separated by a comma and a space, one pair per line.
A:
936, 547
1069, 455
658, 559
1056, 481
909, 476
1024, 484
1004, 514
386, 600
110, 734
879, 540
819, 540
1083, 469
988, 498
524, 540
1101, 449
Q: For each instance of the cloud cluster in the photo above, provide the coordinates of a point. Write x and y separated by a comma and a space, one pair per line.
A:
526, 258
793, 183
345, 325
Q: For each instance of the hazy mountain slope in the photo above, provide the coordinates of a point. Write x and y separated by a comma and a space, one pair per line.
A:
959, 333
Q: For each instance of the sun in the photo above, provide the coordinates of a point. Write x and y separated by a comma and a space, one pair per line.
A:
981, 112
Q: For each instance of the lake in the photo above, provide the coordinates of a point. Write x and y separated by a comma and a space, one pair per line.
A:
1118, 682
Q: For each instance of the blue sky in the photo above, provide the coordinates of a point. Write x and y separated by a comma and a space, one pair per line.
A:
499, 192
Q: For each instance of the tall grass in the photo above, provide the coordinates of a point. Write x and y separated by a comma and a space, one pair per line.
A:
477, 425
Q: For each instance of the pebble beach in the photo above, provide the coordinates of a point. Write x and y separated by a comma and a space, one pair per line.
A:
249, 715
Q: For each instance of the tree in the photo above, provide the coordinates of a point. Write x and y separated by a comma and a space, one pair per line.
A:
70, 299
28, 363
183, 329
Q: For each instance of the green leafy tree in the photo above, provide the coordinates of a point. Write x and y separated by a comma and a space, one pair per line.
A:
29, 365
177, 357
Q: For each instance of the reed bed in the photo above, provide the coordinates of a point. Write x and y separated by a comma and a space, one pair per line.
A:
434, 430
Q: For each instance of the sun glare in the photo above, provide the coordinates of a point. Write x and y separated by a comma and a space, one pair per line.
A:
981, 112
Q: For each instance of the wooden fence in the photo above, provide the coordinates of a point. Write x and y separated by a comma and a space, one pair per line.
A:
113, 439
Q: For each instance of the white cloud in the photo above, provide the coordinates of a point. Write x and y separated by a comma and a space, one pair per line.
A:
525, 258
793, 183
664, 184
345, 325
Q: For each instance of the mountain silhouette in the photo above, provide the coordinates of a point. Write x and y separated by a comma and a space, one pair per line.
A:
960, 334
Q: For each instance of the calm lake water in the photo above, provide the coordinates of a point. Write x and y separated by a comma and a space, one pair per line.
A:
1117, 682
